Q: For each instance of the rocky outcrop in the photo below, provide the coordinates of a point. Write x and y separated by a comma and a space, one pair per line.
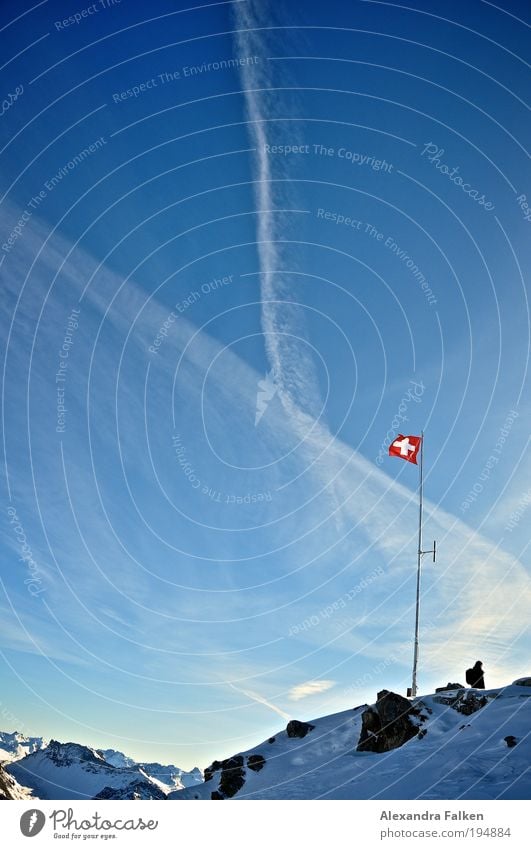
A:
11, 789
450, 687
468, 703
231, 773
231, 778
522, 682
135, 790
449, 698
389, 723
295, 728
511, 741
212, 769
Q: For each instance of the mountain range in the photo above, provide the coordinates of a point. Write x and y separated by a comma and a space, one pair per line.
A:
456, 743
31, 767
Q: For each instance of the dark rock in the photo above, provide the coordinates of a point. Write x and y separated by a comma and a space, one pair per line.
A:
388, 724
232, 776
271, 739
449, 687
295, 728
523, 682
210, 770
8, 786
511, 741
216, 795
422, 733
468, 703
255, 762
235, 762
66, 754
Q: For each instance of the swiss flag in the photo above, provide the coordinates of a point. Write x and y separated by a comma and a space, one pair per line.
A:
406, 447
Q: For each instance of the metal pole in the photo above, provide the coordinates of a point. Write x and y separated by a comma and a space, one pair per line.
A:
419, 561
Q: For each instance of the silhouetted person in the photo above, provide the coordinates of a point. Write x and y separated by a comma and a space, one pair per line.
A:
474, 676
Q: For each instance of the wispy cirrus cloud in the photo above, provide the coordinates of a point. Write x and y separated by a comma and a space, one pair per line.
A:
378, 512
360, 495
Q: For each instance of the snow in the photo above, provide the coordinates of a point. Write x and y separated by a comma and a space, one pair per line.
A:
70, 771
170, 777
135, 790
117, 758
166, 776
455, 756
458, 757
14, 745
53, 784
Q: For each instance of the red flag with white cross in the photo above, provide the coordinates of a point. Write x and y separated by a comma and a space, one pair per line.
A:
406, 447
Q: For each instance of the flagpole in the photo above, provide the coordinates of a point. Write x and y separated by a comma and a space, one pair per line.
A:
419, 562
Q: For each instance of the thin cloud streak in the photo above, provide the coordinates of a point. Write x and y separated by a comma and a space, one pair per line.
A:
260, 700
309, 688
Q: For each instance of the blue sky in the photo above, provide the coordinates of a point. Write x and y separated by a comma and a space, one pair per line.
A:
256, 272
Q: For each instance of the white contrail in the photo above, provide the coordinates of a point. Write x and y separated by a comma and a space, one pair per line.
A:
362, 494
256, 697
281, 322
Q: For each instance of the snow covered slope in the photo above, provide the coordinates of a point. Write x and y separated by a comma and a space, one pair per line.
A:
135, 790
163, 777
14, 745
116, 758
453, 756
71, 771
168, 776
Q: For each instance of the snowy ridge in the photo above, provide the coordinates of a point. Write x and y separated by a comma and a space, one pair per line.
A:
116, 758
484, 755
14, 745
135, 790
454, 744
71, 771
170, 777
70, 768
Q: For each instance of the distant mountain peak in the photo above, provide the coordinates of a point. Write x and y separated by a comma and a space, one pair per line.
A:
135, 790
74, 771
13, 744
66, 754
